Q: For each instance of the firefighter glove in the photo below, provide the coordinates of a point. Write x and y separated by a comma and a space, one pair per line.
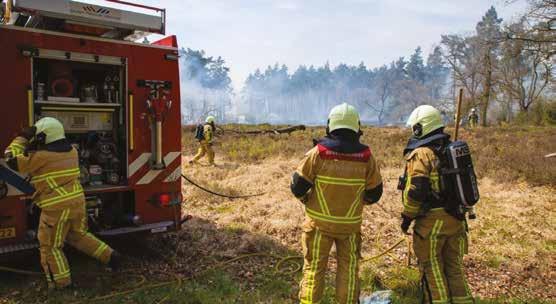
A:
28, 132
406, 222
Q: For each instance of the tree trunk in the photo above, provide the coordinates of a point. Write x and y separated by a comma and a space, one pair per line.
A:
487, 90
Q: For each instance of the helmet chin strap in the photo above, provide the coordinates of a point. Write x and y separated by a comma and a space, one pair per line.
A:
417, 130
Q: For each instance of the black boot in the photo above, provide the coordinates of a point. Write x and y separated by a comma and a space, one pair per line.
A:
115, 261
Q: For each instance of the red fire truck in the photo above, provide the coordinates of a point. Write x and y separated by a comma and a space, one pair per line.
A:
118, 99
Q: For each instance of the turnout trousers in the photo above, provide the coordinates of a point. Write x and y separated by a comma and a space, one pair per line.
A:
316, 249
204, 149
69, 225
440, 242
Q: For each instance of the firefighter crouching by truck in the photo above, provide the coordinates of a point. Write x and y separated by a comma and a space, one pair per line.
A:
43, 153
205, 135
334, 180
440, 229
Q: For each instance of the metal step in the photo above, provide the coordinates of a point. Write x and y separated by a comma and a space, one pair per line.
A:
19, 247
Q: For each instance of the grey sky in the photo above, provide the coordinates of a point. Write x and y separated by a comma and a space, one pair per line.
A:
253, 34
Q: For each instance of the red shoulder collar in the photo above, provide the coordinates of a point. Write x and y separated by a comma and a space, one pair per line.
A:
326, 153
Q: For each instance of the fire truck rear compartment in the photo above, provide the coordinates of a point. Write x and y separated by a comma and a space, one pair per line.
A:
88, 99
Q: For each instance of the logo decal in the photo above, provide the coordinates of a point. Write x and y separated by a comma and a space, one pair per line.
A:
94, 11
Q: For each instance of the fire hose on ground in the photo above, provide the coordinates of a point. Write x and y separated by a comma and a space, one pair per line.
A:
220, 194
178, 281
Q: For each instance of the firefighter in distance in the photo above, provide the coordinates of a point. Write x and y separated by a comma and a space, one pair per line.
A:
44, 153
205, 135
473, 118
334, 181
440, 229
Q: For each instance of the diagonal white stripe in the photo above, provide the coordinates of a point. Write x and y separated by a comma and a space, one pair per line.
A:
174, 176
152, 174
138, 163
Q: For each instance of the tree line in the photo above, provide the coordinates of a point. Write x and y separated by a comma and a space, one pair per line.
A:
506, 70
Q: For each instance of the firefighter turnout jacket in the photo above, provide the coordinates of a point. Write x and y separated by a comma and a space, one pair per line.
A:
55, 175
208, 132
439, 238
335, 179
54, 172
335, 203
205, 144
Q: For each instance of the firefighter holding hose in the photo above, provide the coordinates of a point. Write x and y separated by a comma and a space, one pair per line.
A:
334, 181
440, 229
44, 153
205, 135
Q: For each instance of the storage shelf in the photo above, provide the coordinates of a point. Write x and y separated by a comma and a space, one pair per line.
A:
77, 104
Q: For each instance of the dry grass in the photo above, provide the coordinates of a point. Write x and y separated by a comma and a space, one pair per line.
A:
512, 249
512, 257
503, 153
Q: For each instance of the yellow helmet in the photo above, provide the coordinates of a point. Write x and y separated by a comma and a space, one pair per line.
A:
424, 120
343, 116
49, 128
210, 119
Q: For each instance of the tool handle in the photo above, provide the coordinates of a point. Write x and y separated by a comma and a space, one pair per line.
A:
458, 113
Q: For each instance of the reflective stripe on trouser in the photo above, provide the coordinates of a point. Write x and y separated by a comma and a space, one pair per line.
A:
66, 225
316, 249
441, 262
205, 148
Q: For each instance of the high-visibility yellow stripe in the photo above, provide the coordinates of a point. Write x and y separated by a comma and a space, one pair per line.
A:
54, 186
332, 179
61, 173
313, 267
438, 278
342, 182
56, 251
16, 149
321, 200
407, 204
17, 146
59, 199
356, 203
62, 275
435, 181
352, 273
460, 264
333, 219
100, 250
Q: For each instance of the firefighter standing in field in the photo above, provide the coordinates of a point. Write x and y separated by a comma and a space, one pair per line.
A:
334, 180
205, 137
473, 118
439, 233
53, 166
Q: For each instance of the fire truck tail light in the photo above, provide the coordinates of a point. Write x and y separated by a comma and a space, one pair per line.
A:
166, 199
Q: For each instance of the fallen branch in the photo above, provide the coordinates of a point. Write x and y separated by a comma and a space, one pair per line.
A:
220, 130
550, 155
287, 130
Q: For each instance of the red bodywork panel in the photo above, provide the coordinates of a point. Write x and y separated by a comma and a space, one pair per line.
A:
144, 62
